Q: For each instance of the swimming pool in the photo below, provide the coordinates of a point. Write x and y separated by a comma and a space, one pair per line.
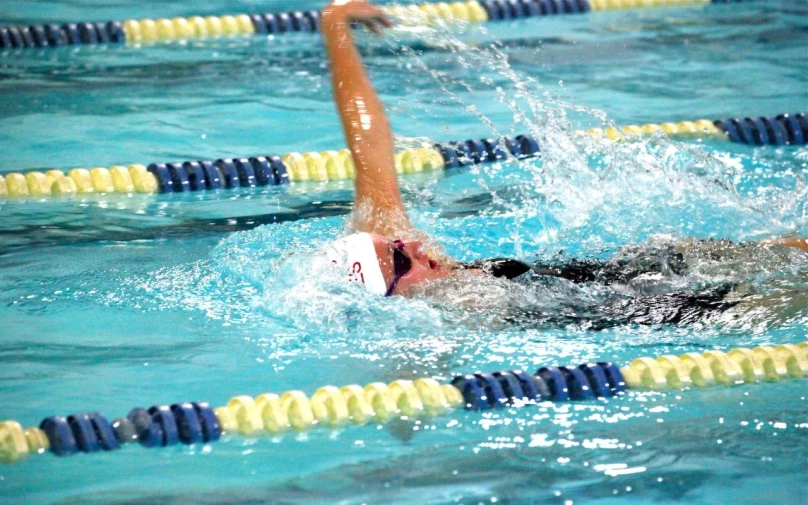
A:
115, 301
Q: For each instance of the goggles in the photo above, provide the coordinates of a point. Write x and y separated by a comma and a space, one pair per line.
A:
402, 264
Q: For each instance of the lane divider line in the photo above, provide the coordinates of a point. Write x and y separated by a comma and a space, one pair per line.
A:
196, 27
333, 407
294, 167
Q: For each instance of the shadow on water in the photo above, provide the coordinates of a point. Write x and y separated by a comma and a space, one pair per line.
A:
67, 355
64, 234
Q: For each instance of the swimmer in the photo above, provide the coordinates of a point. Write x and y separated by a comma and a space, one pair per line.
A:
390, 257
384, 229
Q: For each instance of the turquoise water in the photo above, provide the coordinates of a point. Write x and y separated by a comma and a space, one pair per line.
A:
111, 302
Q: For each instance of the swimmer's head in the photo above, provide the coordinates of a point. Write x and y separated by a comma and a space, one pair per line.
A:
385, 267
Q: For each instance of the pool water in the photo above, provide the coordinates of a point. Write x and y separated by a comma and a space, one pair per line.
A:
114, 301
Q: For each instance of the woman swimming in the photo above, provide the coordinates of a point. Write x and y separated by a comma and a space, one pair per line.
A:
389, 256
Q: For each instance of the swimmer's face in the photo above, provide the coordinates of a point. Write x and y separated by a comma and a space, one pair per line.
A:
423, 267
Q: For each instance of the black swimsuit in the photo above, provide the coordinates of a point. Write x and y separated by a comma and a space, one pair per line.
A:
678, 307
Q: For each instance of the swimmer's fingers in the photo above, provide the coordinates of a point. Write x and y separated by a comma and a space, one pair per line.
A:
358, 11
373, 18
384, 21
373, 24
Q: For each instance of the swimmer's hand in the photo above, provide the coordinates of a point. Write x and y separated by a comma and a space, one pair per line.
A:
350, 11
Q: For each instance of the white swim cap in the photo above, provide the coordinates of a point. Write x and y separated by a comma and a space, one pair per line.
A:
356, 256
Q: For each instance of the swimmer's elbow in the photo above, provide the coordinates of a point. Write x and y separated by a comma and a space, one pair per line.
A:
795, 242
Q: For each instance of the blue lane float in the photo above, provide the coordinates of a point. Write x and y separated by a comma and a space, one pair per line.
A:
559, 384
179, 177
555, 382
229, 172
222, 173
104, 432
577, 383
262, 170
83, 431
246, 174
785, 129
163, 426
797, 135
503, 10
197, 179
166, 424
189, 427
53, 35
211, 431
147, 432
60, 436
165, 184
474, 394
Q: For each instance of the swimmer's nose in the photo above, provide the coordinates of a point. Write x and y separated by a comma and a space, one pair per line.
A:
414, 249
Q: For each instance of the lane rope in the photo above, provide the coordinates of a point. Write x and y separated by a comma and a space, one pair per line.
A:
332, 407
197, 27
273, 170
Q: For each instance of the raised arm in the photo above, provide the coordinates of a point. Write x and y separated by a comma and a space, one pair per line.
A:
367, 131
